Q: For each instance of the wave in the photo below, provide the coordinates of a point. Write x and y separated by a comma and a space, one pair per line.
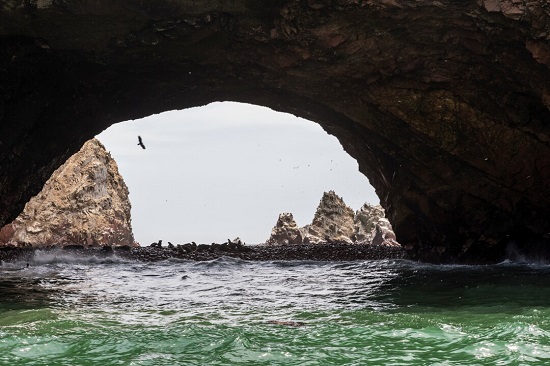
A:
535, 254
57, 256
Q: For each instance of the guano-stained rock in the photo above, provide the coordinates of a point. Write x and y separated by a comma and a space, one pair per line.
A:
365, 221
85, 202
285, 231
333, 221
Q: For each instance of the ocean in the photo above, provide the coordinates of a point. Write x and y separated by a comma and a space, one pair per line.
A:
66, 310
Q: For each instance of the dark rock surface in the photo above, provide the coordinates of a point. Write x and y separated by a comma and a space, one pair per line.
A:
203, 252
444, 104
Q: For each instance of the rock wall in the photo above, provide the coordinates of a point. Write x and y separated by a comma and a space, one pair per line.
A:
336, 222
85, 202
445, 104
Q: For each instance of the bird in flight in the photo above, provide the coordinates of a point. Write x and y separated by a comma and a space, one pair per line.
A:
140, 143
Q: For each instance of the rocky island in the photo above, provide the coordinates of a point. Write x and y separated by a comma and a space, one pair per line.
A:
85, 202
335, 222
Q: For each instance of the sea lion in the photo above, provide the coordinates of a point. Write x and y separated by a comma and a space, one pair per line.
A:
287, 323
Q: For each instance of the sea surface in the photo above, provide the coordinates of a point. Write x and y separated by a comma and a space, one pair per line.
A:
63, 310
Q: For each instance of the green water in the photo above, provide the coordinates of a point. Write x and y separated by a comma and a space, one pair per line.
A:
69, 311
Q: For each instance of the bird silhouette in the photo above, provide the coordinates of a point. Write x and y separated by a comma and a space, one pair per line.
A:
140, 142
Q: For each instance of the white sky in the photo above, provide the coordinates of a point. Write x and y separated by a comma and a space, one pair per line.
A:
228, 169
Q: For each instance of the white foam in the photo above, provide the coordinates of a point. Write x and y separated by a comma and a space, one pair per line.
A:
64, 256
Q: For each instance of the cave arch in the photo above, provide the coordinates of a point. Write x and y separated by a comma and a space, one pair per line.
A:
445, 105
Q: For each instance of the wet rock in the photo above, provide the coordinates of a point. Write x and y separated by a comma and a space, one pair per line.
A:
190, 247
317, 252
109, 249
203, 247
73, 247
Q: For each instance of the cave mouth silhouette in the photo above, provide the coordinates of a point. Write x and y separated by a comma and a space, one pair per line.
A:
444, 105
227, 170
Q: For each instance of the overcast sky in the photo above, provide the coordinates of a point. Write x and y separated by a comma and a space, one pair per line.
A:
228, 170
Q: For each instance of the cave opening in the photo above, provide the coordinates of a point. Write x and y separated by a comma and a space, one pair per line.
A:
227, 170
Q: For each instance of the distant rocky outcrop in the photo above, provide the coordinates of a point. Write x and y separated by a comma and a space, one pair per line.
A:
334, 221
85, 202
285, 231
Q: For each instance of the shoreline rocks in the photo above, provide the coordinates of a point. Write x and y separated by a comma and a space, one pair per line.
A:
204, 252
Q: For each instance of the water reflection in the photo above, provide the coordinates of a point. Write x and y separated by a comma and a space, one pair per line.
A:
31, 288
510, 286
20, 292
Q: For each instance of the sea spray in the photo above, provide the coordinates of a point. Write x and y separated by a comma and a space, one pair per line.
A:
58, 255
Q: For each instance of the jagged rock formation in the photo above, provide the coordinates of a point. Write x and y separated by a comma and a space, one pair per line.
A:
85, 202
285, 231
445, 104
372, 226
334, 221
383, 233
365, 221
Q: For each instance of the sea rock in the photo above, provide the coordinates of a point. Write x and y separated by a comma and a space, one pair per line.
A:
333, 221
383, 233
365, 221
85, 202
285, 231
372, 227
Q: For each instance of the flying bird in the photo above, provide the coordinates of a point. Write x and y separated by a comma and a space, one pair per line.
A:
140, 143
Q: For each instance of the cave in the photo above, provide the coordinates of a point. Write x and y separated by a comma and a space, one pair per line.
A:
444, 104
